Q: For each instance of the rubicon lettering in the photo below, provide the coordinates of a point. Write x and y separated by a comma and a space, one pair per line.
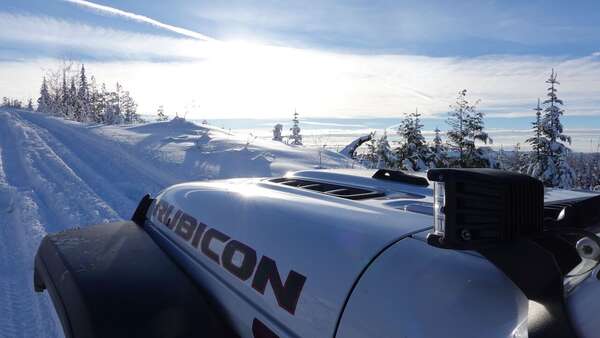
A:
260, 272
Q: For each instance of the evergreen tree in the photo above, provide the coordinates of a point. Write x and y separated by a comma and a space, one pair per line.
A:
83, 107
557, 171
160, 114
44, 101
277, 132
467, 127
384, 155
437, 140
112, 110
56, 90
518, 163
296, 137
30, 104
413, 153
72, 106
128, 107
61, 108
104, 98
369, 158
438, 150
537, 163
538, 142
96, 102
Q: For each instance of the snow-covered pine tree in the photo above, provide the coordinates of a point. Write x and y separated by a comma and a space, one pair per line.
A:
106, 98
128, 108
466, 127
587, 169
384, 155
518, 161
413, 153
56, 97
44, 101
296, 137
72, 105
369, 157
112, 110
438, 150
565, 178
557, 172
160, 114
277, 132
437, 139
83, 107
30, 104
457, 135
96, 102
62, 107
538, 161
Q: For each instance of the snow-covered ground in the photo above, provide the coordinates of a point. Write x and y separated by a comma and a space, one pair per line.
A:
56, 174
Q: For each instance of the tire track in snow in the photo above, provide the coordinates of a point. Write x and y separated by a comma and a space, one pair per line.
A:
106, 165
24, 314
66, 198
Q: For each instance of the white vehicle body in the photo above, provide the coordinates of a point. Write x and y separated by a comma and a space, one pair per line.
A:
304, 263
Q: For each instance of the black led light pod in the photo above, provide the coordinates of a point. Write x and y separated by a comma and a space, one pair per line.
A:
499, 214
474, 208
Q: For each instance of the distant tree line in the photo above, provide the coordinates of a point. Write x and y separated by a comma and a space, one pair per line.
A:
69, 94
414, 153
551, 160
8, 102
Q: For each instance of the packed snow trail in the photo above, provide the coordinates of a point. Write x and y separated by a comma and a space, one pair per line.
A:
105, 166
57, 174
23, 314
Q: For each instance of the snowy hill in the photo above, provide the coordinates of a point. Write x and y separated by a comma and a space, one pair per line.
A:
57, 174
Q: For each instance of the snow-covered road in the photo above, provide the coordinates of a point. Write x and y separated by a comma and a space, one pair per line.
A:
56, 174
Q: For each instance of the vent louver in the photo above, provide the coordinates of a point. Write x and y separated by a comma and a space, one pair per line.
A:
336, 190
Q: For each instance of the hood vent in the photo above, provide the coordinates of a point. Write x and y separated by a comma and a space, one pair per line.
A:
351, 193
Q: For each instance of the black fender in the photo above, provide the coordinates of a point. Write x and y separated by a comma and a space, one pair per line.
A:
113, 280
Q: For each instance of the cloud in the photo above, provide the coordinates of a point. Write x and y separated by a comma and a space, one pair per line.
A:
141, 18
53, 35
229, 79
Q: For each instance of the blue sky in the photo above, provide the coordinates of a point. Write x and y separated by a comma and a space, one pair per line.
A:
324, 58
432, 28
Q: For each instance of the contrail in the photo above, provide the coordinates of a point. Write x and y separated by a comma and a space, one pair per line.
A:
141, 18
